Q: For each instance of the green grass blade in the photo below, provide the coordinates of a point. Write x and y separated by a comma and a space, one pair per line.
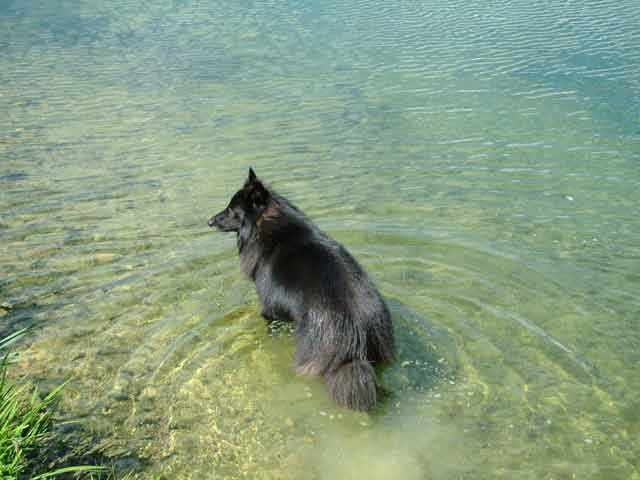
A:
6, 341
77, 469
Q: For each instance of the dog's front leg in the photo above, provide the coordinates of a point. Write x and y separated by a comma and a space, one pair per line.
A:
268, 316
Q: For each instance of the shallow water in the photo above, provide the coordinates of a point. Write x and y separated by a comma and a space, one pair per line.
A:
479, 158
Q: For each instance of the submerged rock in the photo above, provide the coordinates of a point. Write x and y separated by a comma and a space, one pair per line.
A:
105, 257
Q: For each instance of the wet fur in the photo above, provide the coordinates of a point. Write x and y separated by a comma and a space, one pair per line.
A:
342, 325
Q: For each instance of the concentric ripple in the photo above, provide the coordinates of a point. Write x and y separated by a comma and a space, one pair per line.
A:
479, 158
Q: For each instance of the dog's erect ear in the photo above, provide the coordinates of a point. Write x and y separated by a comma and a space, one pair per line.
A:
259, 195
251, 179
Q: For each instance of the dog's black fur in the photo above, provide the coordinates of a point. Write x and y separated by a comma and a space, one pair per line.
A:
342, 325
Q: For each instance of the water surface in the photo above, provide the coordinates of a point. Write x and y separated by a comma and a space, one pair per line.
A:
479, 158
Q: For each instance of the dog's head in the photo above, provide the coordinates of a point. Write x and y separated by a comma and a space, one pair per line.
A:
246, 206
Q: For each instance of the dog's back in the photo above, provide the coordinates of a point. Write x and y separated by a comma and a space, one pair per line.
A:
342, 324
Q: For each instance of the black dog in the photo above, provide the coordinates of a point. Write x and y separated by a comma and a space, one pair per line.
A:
342, 325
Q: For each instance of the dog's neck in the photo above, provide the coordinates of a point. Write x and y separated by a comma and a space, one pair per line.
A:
250, 250
257, 238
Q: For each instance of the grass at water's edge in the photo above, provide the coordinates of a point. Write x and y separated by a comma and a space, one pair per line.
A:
25, 426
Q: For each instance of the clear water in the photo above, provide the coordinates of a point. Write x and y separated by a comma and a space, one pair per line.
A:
481, 159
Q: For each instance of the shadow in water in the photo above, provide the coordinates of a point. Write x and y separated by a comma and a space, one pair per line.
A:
19, 315
425, 354
73, 444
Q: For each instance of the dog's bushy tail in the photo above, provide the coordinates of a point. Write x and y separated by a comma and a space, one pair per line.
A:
353, 385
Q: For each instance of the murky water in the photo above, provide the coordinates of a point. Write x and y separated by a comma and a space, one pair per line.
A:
481, 159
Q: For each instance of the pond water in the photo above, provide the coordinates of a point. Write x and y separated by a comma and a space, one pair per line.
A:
481, 159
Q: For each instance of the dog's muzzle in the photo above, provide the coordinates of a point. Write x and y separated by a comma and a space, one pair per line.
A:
222, 222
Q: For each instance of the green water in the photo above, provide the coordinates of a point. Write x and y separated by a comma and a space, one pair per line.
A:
481, 159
